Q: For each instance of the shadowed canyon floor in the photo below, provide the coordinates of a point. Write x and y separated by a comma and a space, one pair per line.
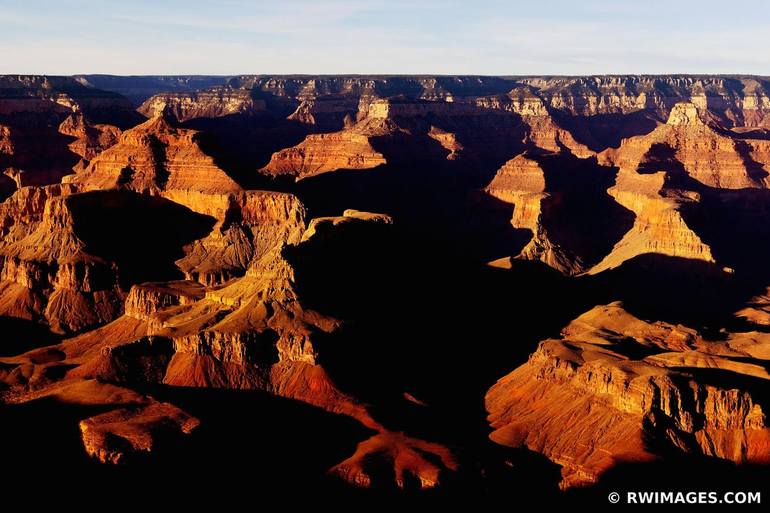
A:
417, 288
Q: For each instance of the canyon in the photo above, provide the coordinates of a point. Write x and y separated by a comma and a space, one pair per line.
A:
372, 286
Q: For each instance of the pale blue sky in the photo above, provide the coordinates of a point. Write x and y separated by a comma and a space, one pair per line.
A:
384, 36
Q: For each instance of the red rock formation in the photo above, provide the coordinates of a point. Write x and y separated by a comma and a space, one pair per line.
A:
50, 123
407, 457
447, 140
350, 148
155, 157
46, 271
614, 386
91, 140
111, 437
521, 182
213, 103
253, 333
160, 270
326, 114
707, 155
648, 184
658, 227
543, 131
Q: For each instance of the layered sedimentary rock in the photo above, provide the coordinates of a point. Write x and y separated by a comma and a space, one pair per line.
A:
413, 128
595, 111
48, 125
161, 268
59, 268
543, 131
665, 171
741, 100
249, 224
563, 201
658, 227
350, 148
213, 103
253, 333
326, 113
705, 154
153, 157
112, 437
46, 271
614, 388
521, 182
90, 140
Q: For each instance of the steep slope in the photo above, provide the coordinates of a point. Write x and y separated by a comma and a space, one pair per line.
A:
521, 182
62, 264
350, 148
153, 157
614, 388
707, 155
563, 202
211, 103
253, 333
50, 124
668, 170
543, 130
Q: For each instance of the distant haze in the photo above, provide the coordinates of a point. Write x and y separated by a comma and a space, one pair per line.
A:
384, 36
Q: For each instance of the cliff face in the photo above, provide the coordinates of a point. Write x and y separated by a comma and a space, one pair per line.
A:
252, 333
740, 101
214, 103
50, 125
543, 131
615, 388
155, 156
350, 148
328, 240
671, 169
521, 182
46, 273
707, 156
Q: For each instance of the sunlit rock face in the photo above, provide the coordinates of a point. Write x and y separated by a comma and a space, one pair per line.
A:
612, 387
375, 253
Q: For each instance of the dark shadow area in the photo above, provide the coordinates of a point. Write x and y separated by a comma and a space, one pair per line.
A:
578, 213
143, 234
39, 149
240, 144
754, 169
427, 326
435, 327
21, 335
249, 444
677, 290
604, 131
435, 201
732, 222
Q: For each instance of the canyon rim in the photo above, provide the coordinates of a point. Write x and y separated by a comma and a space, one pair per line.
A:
495, 287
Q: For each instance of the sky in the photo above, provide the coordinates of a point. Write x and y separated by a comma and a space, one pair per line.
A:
494, 37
